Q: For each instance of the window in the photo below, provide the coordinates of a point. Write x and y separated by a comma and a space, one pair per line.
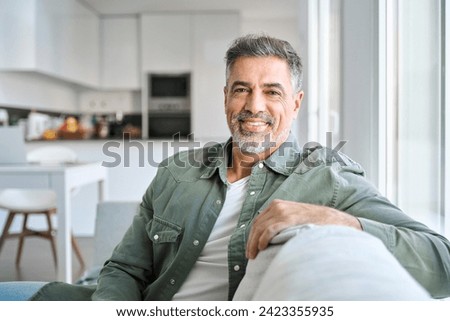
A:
412, 37
377, 70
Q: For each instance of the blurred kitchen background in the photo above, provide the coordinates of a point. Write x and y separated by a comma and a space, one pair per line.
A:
85, 72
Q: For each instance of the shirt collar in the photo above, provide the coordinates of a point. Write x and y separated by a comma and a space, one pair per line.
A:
283, 161
286, 158
218, 159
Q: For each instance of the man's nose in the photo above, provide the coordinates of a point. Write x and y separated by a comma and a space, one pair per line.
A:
255, 103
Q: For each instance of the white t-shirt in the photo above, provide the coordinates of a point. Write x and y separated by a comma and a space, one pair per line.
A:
208, 279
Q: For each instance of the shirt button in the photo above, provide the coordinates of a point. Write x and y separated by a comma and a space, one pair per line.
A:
236, 268
252, 193
156, 237
260, 165
196, 242
242, 226
218, 202
172, 281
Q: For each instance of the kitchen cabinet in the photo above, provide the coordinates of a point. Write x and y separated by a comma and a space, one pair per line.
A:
17, 40
60, 38
119, 66
70, 32
212, 35
166, 42
106, 102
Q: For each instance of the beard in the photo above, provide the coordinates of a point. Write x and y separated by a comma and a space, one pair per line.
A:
253, 142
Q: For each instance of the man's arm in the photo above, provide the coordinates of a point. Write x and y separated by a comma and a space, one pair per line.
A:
125, 274
421, 251
128, 271
281, 214
424, 253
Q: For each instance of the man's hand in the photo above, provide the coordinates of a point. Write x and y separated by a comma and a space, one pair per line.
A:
281, 214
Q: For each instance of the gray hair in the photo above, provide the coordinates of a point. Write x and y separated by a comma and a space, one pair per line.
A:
264, 46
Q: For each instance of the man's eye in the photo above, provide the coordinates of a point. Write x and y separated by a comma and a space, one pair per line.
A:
240, 90
273, 93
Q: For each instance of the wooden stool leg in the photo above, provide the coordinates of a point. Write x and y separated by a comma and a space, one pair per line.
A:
76, 248
21, 238
51, 237
5, 232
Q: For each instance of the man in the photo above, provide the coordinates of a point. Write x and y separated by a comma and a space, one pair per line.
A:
209, 211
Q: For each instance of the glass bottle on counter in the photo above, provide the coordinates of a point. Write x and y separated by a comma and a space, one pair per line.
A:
4, 117
101, 127
116, 124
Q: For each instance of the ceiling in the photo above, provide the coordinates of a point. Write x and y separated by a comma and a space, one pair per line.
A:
247, 8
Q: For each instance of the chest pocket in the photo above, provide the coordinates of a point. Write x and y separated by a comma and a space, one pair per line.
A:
165, 237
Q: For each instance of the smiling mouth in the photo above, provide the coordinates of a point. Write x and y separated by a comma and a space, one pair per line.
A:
254, 122
254, 125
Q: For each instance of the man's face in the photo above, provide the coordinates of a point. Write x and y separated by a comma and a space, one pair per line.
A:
260, 103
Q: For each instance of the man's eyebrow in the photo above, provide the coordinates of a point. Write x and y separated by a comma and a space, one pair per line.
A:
240, 83
267, 85
274, 84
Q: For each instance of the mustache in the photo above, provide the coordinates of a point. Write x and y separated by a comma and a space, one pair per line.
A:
245, 114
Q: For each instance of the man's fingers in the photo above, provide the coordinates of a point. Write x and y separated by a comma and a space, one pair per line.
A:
253, 240
261, 234
255, 231
281, 214
273, 219
269, 233
252, 243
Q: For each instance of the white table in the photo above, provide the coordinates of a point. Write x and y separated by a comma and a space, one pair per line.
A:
62, 179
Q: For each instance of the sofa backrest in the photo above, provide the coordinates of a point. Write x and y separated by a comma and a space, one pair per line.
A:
112, 221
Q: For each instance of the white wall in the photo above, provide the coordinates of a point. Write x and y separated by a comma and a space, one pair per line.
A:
286, 29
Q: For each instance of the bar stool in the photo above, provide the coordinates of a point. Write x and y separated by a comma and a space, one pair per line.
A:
37, 201
28, 202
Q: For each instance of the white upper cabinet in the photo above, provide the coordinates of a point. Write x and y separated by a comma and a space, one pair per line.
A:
60, 38
213, 33
103, 102
17, 40
119, 53
68, 37
166, 42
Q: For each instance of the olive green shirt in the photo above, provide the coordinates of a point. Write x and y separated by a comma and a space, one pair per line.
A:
180, 207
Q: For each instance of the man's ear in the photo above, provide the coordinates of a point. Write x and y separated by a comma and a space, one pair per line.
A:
298, 102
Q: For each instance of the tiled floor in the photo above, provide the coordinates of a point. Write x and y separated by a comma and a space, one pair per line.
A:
37, 260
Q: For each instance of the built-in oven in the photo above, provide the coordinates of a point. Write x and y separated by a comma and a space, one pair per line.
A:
169, 105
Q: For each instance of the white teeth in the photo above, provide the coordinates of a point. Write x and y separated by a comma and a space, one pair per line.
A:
254, 123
